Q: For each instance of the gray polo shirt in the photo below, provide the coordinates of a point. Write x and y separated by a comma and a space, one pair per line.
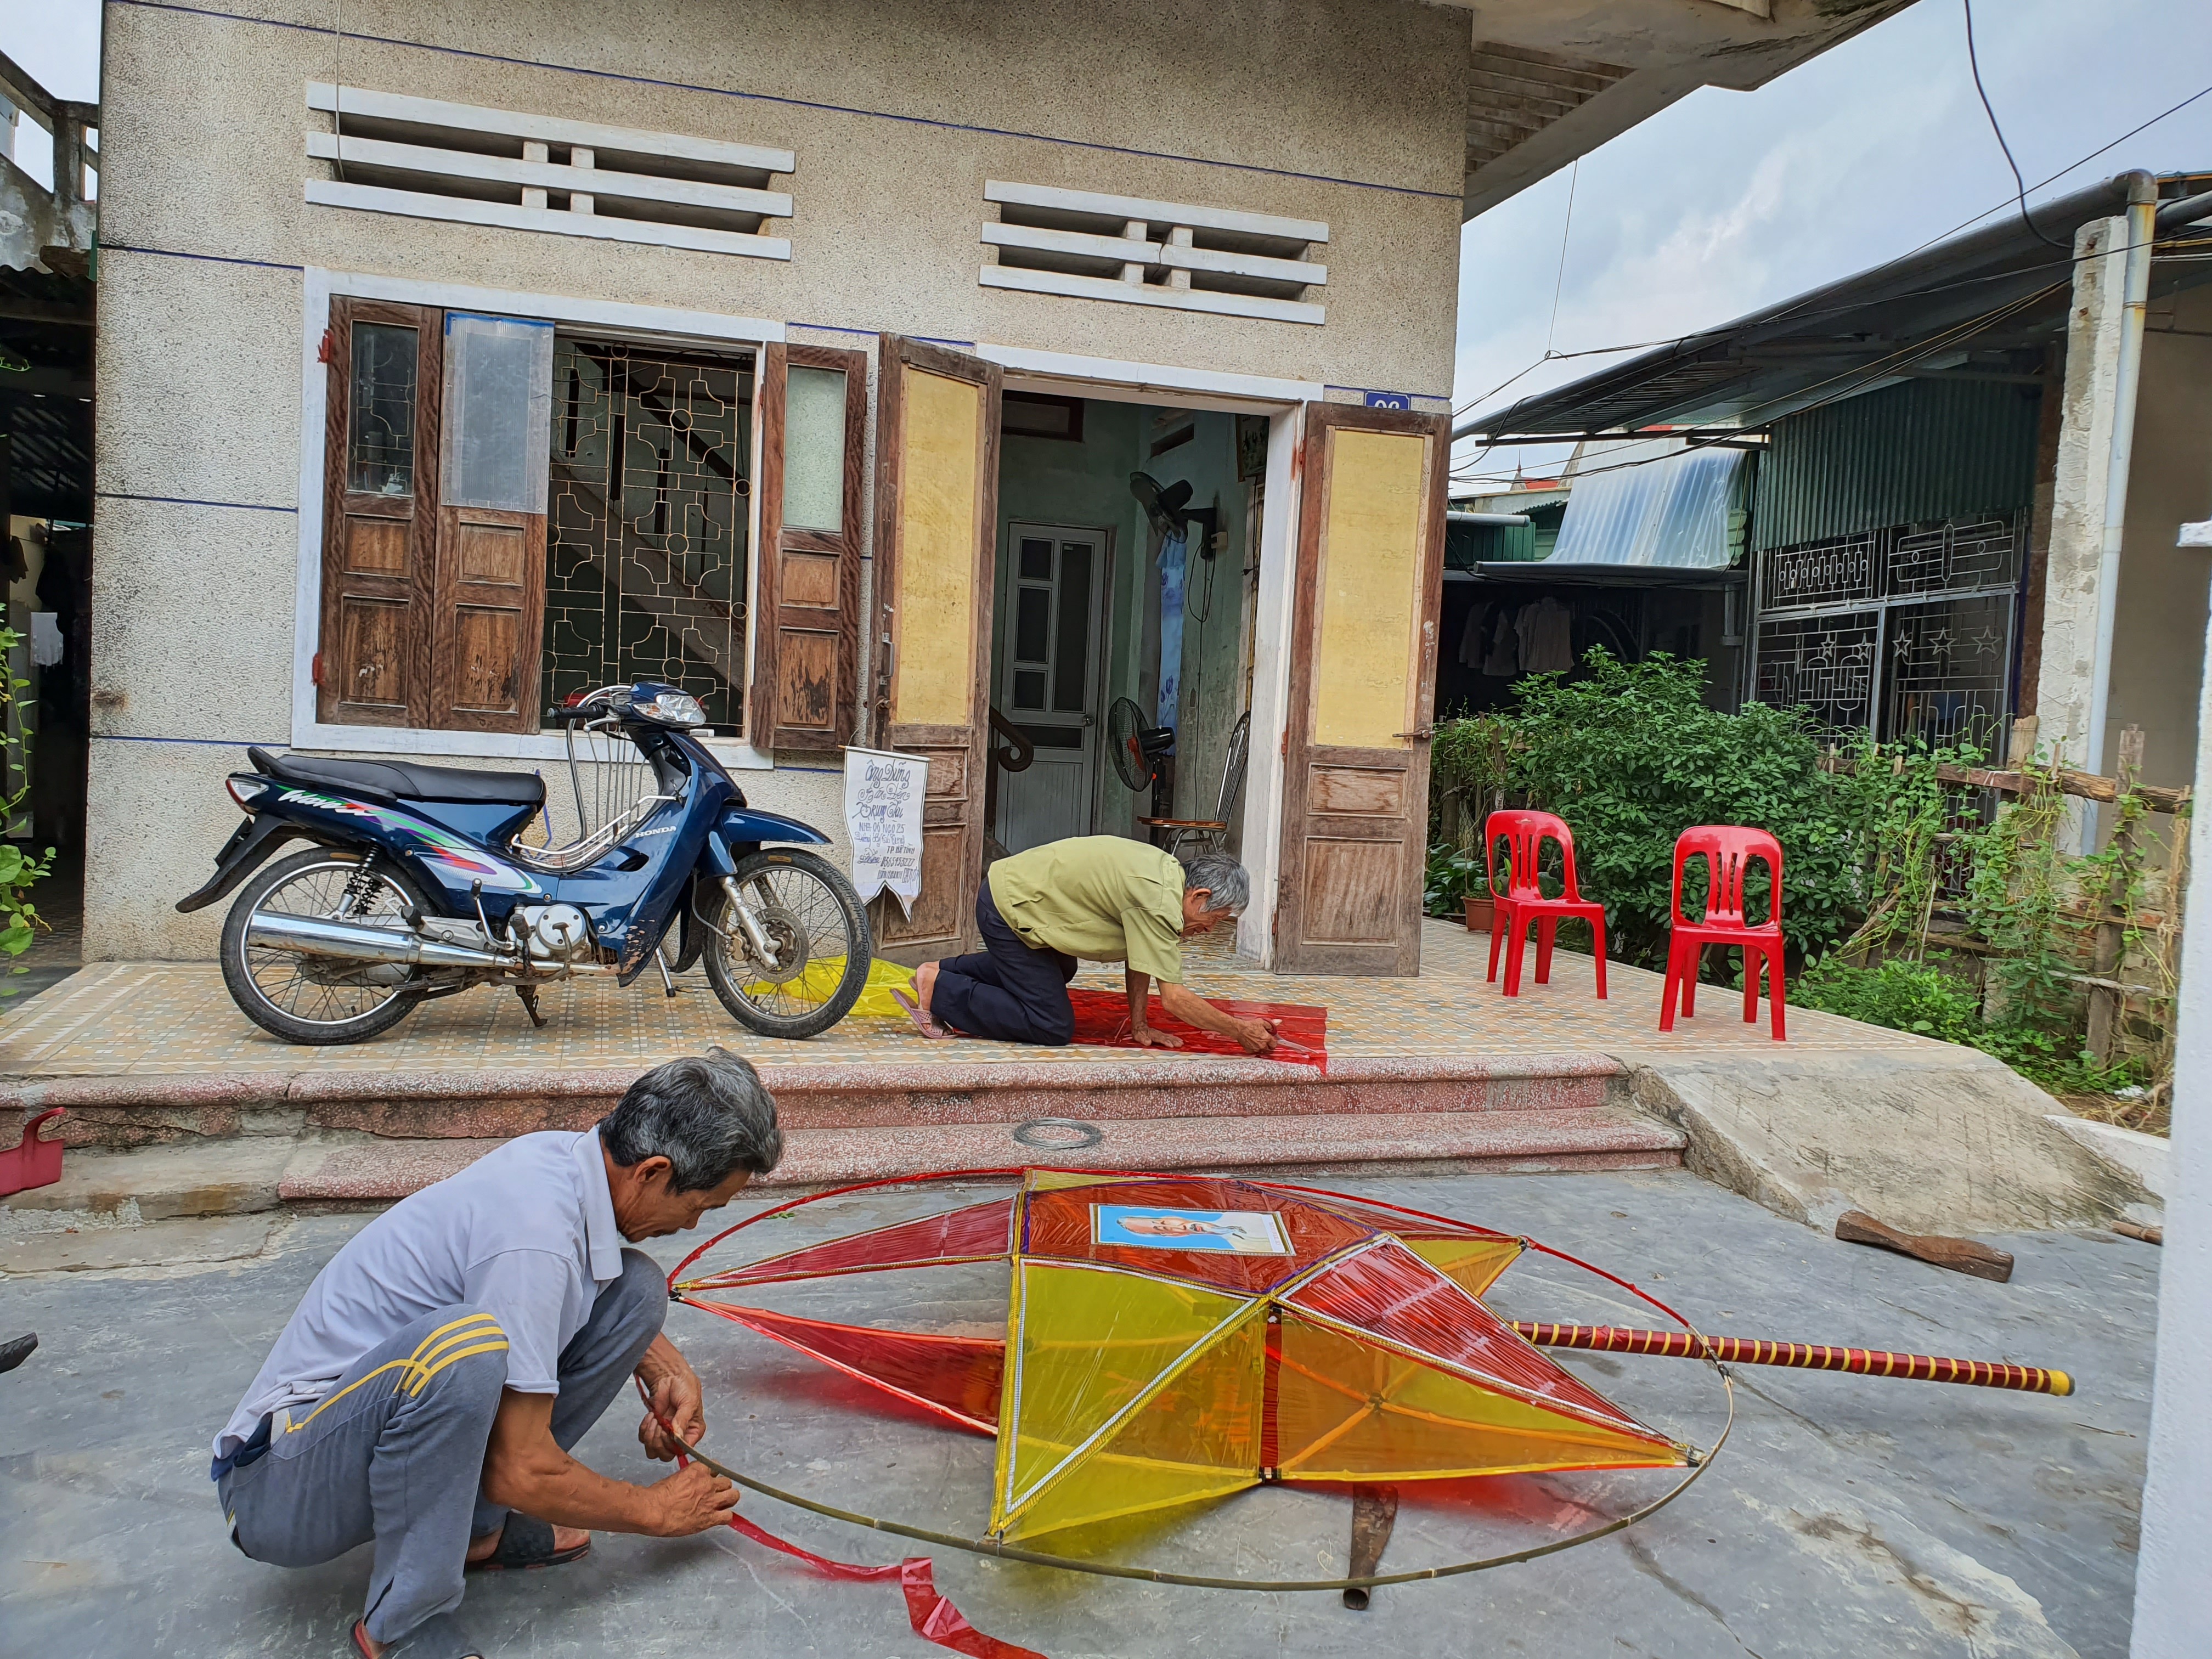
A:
526, 1233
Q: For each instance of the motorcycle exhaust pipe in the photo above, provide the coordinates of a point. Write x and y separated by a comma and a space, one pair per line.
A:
312, 936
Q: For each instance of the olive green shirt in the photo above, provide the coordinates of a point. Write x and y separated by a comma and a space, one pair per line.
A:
1100, 897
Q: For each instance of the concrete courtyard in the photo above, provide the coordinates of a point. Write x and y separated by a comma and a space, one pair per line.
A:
1846, 1516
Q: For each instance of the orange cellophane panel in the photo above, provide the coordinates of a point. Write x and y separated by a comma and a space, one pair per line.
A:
955, 1375
975, 1233
1344, 1409
1389, 1292
1102, 1020
1473, 1264
1380, 1218
1091, 1350
1058, 1224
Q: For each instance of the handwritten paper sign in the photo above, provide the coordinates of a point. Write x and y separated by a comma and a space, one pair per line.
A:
882, 815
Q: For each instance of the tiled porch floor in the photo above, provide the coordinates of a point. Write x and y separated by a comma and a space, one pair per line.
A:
115, 1019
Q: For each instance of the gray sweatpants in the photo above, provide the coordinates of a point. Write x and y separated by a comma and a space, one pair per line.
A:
395, 1451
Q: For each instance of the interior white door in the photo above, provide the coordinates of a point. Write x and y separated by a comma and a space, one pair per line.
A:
1049, 675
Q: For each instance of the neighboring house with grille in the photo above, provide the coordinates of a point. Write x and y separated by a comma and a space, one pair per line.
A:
452, 361
1979, 493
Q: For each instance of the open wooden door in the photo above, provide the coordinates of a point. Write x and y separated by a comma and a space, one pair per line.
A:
937, 492
1362, 690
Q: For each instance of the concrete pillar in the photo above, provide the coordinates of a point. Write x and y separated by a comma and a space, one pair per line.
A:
2066, 672
2174, 1592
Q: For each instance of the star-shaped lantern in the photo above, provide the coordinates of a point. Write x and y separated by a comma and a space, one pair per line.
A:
1174, 1339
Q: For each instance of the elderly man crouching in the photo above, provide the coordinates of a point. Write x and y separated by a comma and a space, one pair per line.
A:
1100, 898
428, 1388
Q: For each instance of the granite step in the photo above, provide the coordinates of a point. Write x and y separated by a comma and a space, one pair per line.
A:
491, 1103
252, 1174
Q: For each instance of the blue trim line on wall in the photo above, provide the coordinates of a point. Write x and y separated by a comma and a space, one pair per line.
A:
211, 259
794, 103
190, 500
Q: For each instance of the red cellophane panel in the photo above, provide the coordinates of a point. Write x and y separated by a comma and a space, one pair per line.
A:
1059, 1224
957, 1376
1381, 1218
973, 1234
1389, 1292
1102, 1020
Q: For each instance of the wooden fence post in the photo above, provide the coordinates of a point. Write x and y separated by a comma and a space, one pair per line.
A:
2108, 1008
2022, 751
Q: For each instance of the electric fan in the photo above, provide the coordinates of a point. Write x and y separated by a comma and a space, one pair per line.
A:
1137, 748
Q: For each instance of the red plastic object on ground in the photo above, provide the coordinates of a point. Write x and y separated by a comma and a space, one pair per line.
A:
1523, 901
1726, 849
35, 1163
1102, 1020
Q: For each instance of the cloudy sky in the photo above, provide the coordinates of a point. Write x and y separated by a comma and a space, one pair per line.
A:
1730, 200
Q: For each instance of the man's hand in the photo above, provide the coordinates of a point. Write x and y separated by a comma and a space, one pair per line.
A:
1257, 1036
694, 1499
677, 1399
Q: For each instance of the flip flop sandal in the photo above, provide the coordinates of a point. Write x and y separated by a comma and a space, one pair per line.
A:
527, 1542
923, 1022
437, 1636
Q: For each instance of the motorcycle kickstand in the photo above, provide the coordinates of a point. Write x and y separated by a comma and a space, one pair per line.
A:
660, 962
529, 995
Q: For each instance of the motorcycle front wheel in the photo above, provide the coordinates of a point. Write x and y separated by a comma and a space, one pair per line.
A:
320, 1000
817, 932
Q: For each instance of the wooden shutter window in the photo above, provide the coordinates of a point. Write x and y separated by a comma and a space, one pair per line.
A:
489, 618
937, 493
1362, 691
379, 530
806, 648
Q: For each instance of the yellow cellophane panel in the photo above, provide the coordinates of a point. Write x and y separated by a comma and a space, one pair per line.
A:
1474, 1264
1348, 1410
939, 481
1370, 597
1052, 1181
820, 980
1083, 1344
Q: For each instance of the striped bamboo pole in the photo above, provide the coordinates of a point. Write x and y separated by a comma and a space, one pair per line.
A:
1748, 1350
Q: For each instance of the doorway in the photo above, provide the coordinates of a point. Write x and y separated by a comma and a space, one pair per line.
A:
1049, 679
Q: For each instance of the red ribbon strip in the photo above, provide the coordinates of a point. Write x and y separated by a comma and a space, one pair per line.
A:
934, 1619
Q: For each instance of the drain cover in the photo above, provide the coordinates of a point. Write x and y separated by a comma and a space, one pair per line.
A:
1059, 1134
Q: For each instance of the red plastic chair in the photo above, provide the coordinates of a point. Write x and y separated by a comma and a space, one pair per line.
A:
1728, 849
1523, 901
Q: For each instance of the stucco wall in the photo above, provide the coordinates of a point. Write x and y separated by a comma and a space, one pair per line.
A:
898, 113
2158, 634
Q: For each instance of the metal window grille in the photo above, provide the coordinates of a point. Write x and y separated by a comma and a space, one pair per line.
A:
1907, 632
648, 531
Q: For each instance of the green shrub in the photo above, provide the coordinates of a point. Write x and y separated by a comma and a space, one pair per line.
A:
1904, 996
1452, 876
1629, 756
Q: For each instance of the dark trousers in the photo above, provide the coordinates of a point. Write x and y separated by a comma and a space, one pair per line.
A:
395, 1451
1012, 991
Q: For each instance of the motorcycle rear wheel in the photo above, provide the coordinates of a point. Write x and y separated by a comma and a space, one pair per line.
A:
810, 912
320, 1000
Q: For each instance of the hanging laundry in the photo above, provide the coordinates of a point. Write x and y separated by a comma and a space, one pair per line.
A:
1504, 660
1471, 639
1548, 637
1172, 554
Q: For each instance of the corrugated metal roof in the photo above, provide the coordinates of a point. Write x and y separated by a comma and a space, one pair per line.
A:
1907, 454
1671, 514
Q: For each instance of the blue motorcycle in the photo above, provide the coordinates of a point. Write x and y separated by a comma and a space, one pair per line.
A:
415, 882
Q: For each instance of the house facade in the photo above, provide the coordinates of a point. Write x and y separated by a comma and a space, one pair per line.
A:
451, 363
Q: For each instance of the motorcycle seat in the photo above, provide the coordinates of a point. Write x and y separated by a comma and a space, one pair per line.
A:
403, 780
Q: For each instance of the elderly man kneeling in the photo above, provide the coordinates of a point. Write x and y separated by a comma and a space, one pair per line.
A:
426, 1392
1096, 897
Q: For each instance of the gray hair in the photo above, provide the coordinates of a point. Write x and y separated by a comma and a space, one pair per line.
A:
1223, 878
708, 1116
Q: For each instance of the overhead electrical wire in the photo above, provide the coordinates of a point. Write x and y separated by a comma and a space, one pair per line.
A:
1974, 63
